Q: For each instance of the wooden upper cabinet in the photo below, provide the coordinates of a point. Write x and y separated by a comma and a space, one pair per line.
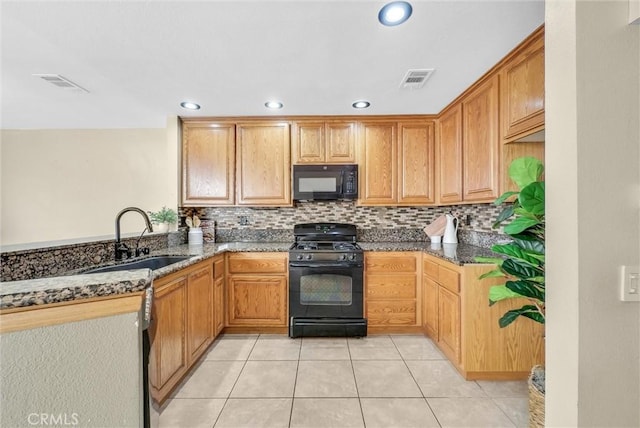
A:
522, 90
480, 143
208, 157
416, 166
323, 142
378, 163
449, 155
340, 138
263, 168
308, 144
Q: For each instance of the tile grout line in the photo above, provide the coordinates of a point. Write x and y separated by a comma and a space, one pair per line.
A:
295, 383
417, 384
235, 383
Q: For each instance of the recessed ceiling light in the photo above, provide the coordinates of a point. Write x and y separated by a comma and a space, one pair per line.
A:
361, 104
189, 105
394, 13
273, 105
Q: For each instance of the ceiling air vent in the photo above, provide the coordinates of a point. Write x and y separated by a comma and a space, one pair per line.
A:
415, 79
61, 82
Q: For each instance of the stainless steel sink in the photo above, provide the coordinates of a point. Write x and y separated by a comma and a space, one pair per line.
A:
152, 263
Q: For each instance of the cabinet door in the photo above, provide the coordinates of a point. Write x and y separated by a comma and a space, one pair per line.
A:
218, 295
208, 157
308, 142
416, 148
449, 155
168, 357
378, 163
449, 323
522, 92
264, 164
481, 143
430, 307
200, 311
257, 300
340, 142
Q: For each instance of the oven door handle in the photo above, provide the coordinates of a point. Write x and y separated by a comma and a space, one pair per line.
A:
325, 265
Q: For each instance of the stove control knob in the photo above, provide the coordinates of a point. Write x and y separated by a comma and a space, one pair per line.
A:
308, 257
299, 257
343, 257
352, 257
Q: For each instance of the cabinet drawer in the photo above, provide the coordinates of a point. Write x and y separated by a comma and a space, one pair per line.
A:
391, 312
449, 279
390, 263
258, 263
391, 287
430, 268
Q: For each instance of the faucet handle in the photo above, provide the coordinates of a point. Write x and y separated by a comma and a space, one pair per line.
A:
142, 251
122, 251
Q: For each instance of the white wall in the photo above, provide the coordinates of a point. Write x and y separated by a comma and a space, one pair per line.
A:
63, 184
84, 373
593, 213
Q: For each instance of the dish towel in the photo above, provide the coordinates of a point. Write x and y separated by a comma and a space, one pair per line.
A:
436, 228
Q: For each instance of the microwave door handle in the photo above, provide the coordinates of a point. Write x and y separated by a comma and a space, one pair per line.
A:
342, 182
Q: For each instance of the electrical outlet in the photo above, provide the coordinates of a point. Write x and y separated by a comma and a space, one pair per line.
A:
630, 283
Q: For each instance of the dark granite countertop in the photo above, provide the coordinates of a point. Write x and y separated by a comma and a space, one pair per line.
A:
77, 285
459, 254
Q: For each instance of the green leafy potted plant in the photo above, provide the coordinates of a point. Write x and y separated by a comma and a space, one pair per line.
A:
163, 219
523, 265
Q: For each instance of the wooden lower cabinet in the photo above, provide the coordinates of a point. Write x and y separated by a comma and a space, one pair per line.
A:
449, 323
218, 295
460, 321
257, 290
430, 307
168, 358
183, 325
199, 311
393, 301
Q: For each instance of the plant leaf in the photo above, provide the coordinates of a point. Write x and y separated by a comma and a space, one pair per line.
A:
520, 269
536, 316
493, 260
525, 170
519, 225
529, 243
495, 273
532, 198
506, 213
513, 250
526, 289
504, 197
512, 315
501, 292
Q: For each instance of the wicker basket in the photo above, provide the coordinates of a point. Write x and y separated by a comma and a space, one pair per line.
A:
536, 397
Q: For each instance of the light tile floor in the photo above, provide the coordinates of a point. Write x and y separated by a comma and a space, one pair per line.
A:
379, 381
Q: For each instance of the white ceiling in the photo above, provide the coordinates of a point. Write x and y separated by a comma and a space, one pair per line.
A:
140, 59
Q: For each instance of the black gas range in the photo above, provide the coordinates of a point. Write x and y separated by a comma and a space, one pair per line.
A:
326, 268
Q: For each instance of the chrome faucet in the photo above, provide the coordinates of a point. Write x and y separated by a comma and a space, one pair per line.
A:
122, 251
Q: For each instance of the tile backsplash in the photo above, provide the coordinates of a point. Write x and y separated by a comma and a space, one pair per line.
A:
231, 224
374, 223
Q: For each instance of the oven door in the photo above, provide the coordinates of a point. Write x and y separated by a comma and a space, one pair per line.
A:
325, 290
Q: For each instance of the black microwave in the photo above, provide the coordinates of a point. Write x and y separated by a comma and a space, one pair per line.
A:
325, 182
